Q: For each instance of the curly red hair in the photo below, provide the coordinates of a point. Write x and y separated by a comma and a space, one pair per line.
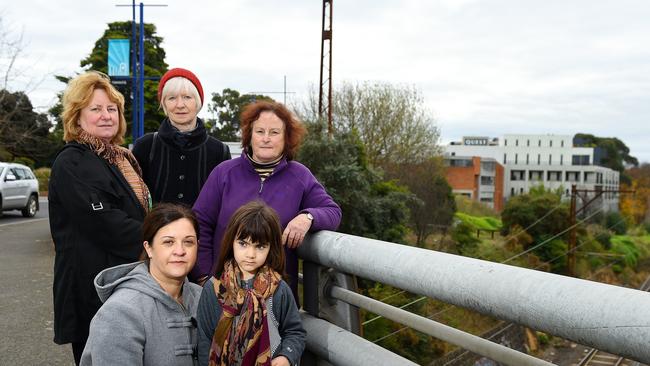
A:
294, 130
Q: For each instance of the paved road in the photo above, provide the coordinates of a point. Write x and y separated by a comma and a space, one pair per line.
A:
27, 259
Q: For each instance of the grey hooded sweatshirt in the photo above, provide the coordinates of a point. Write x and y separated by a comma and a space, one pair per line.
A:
139, 323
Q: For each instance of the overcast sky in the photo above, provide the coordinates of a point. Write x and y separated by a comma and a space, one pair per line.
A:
488, 67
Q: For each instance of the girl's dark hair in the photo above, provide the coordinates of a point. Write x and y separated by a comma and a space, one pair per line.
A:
259, 223
162, 215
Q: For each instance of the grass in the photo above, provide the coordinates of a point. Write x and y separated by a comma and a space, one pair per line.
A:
480, 222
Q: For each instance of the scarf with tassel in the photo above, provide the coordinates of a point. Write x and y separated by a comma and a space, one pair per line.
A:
123, 159
246, 341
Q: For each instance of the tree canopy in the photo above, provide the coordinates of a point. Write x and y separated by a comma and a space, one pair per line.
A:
228, 106
391, 121
372, 207
617, 154
23, 132
542, 215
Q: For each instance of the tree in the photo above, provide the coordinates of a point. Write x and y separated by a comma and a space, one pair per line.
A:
155, 66
616, 153
228, 106
24, 132
525, 210
636, 207
391, 121
433, 206
372, 207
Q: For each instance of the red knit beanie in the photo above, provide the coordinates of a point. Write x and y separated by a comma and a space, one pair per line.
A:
187, 74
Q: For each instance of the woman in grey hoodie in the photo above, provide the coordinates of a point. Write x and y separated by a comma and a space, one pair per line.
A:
149, 307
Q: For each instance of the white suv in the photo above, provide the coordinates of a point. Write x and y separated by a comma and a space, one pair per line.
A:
18, 189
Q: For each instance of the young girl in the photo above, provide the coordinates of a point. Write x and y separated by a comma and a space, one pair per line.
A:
147, 316
247, 314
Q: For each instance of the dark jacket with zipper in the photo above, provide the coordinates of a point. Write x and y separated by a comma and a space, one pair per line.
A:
96, 223
175, 165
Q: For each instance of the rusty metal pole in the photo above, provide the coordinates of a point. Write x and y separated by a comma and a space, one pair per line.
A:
571, 257
326, 36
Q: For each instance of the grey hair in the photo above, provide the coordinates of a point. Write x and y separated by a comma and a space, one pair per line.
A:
177, 85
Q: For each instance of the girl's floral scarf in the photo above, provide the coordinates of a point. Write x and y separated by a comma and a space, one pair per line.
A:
245, 341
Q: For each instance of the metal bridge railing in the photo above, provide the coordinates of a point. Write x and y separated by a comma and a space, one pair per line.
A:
610, 318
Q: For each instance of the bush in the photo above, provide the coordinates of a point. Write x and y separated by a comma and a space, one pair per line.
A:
616, 222
25, 161
43, 176
463, 235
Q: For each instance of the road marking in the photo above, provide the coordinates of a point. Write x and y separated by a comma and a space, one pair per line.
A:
24, 222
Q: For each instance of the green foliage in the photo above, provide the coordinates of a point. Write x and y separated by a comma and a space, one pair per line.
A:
43, 176
228, 106
554, 252
464, 235
469, 206
543, 338
23, 132
623, 244
25, 161
526, 209
372, 207
616, 222
617, 154
433, 206
601, 235
482, 223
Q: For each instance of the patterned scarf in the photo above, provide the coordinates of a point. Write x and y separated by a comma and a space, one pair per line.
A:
124, 160
245, 342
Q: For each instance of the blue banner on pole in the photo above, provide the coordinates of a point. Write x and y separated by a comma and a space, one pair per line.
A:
118, 57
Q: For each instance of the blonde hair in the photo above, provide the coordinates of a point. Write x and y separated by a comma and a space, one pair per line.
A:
175, 86
79, 94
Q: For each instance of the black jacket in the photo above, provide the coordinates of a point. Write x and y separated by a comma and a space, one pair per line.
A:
175, 165
96, 223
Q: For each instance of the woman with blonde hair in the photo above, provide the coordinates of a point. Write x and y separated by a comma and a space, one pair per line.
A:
97, 203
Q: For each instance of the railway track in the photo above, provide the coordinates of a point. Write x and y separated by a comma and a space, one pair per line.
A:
599, 358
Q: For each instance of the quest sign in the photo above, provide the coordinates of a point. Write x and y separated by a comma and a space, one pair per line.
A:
476, 141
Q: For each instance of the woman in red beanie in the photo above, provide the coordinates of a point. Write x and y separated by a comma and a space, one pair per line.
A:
177, 159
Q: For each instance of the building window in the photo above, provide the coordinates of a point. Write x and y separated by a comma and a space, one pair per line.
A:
535, 175
516, 142
505, 142
561, 159
512, 191
527, 159
550, 143
517, 175
463, 163
527, 142
580, 160
504, 159
539, 143
539, 159
521, 190
516, 158
487, 180
562, 143
550, 159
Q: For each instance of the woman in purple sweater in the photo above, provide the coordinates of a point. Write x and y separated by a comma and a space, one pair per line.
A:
265, 171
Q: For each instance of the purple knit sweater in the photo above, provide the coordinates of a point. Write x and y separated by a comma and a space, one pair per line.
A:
291, 189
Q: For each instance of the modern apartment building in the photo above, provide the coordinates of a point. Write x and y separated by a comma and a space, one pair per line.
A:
549, 160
